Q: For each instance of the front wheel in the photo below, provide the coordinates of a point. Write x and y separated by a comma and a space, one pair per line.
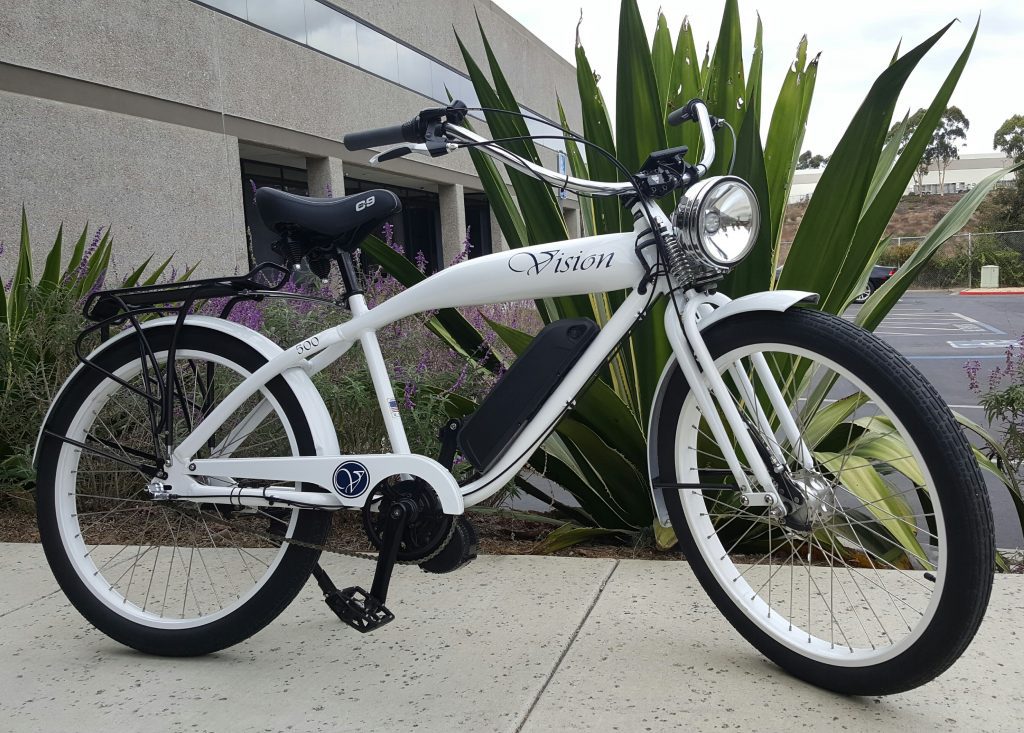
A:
878, 575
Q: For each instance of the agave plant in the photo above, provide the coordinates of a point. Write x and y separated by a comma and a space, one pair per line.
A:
36, 347
598, 452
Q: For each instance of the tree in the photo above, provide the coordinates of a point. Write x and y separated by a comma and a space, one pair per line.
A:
945, 147
809, 160
1010, 138
1004, 210
908, 127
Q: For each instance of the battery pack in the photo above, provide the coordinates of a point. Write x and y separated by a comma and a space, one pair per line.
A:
523, 389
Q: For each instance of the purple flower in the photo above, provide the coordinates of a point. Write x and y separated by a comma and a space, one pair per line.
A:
464, 252
83, 266
971, 369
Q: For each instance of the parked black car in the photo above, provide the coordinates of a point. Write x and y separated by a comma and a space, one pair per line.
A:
879, 274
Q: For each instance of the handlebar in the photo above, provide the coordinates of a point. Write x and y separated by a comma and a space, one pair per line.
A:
440, 130
697, 110
405, 133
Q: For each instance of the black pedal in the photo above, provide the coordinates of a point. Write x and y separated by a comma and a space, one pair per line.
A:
359, 609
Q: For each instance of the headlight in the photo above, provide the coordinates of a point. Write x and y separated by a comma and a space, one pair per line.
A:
717, 221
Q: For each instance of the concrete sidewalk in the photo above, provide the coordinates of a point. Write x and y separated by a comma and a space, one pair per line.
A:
506, 644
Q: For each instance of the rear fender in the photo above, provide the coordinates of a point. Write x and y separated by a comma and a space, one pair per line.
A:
325, 439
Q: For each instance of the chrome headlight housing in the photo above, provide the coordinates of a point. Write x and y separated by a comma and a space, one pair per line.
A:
716, 224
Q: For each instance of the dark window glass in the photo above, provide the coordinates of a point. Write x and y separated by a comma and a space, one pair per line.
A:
414, 71
331, 32
286, 17
377, 53
478, 220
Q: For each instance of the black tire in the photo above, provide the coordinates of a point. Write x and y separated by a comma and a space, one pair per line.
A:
960, 596
274, 590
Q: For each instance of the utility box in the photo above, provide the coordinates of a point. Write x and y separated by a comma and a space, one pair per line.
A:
990, 276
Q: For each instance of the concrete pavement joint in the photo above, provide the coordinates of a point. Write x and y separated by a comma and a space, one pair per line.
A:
26, 605
568, 646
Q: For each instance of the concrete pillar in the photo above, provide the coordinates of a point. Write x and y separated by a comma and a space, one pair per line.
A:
451, 198
572, 221
326, 177
498, 243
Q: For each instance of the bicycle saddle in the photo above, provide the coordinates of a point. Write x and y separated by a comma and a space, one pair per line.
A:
344, 220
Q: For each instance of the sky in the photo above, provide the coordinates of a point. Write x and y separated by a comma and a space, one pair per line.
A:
856, 41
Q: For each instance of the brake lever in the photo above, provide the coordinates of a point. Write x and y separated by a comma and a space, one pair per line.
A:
434, 149
400, 152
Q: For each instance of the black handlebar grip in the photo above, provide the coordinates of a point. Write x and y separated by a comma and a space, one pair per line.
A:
679, 115
682, 114
406, 133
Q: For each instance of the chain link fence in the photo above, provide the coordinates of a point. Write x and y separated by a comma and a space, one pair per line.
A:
958, 262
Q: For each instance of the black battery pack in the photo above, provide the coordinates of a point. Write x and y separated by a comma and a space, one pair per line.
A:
523, 389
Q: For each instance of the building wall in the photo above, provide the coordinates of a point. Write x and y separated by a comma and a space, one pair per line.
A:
132, 112
164, 189
962, 174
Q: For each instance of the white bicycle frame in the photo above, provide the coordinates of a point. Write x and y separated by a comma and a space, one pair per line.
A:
573, 267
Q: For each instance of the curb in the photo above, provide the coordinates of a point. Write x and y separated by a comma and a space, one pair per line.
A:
1001, 291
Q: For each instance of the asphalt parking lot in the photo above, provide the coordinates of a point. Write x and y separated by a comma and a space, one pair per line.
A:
941, 331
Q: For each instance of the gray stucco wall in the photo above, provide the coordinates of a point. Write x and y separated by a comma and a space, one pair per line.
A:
162, 188
156, 182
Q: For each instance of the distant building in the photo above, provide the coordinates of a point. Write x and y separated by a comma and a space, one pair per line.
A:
961, 175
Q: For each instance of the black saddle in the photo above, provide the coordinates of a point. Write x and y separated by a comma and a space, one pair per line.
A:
342, 222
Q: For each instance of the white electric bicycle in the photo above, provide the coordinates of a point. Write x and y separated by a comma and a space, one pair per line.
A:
821, 490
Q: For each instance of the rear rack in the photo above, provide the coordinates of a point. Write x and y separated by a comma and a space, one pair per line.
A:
130, 307
104, 305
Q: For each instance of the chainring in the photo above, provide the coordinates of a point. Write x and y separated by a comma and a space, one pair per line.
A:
425, 535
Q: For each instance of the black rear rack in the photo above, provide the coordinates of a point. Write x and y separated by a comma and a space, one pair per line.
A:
110, 304
130, 307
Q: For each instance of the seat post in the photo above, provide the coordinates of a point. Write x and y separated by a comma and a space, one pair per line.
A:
348, 274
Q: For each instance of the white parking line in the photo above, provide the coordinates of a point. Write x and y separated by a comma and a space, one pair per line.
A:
987, 327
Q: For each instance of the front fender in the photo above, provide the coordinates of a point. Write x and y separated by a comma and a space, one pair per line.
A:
769, 300
324, 436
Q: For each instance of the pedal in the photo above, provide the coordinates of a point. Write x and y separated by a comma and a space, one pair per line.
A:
359, 609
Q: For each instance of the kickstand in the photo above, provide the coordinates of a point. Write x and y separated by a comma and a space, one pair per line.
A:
366, 611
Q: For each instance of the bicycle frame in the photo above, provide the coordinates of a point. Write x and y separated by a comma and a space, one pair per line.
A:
573, 267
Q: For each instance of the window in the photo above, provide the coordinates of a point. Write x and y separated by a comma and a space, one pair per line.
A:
414, 71
377, 53
286, 17
233, 7
331, 32
327, 29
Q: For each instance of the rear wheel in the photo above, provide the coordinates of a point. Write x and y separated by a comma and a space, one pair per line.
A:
170, 577
878, 576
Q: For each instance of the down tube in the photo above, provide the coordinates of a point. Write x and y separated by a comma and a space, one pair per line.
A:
519, 452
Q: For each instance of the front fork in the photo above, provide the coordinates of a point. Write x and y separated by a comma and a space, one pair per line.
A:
709, 389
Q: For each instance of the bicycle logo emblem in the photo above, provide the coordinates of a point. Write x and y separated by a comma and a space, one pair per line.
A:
351, 479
